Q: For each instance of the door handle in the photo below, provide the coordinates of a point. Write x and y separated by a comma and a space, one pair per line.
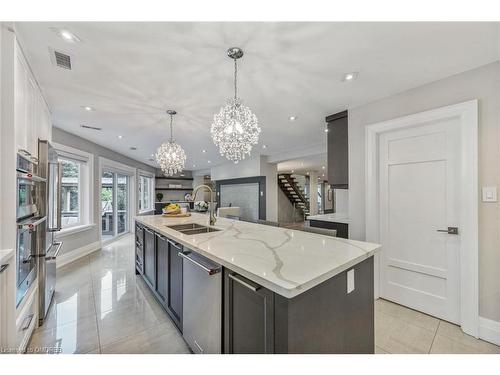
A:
244, 283
199, 347
54, 255
450, 230
3, 267
173, 244
27, 322
59, 196
210, 271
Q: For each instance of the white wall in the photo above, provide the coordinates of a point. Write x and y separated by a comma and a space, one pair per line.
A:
249, 167
270, 171
483, 84
341, 200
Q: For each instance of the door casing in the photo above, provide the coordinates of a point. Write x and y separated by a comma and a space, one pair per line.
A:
467, 114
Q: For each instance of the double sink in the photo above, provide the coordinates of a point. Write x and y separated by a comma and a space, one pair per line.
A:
192, 228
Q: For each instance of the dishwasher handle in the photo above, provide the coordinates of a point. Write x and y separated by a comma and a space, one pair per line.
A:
210, 271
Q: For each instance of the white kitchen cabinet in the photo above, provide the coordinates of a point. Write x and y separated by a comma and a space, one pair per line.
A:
7, 296
32, 117
20, 100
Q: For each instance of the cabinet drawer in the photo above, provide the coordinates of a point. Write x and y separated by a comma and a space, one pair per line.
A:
26, 322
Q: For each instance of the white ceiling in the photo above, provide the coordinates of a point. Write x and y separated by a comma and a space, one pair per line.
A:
302, 165
131, 72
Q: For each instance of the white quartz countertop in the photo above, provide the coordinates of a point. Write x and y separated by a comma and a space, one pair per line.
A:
337, 217
5, 255
286, 261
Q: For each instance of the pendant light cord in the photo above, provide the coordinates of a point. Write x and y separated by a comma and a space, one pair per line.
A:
235, 79
171, 128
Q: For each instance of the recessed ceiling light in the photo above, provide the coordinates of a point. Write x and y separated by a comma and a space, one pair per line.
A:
326, 130
350, 76
152, 154
209, 162
194, 165
203, 151
323, 175
88, 109
264, 146
120, 136
66, 35
323, 167
307, 173
292, 118
293, 171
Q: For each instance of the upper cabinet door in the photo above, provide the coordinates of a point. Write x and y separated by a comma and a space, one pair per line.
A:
338, 160
31, 118
20, 103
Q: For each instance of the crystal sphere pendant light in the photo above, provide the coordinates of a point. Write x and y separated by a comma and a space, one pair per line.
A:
170, 155
235, 128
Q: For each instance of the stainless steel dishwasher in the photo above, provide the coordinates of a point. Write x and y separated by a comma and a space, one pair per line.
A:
202, 303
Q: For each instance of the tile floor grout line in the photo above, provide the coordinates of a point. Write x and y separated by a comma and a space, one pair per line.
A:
435, 334
95, 308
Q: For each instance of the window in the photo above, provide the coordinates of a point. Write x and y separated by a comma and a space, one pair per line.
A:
71, 193
145, 193
76, 200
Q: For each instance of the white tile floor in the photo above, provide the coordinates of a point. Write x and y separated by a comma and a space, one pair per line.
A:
100, 306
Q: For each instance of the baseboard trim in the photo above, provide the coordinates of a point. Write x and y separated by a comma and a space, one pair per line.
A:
73, 255
489, 330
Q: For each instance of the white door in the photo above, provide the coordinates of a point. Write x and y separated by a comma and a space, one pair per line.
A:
419, 195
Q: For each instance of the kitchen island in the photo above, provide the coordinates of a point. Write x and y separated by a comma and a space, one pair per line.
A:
337, 220
283, 291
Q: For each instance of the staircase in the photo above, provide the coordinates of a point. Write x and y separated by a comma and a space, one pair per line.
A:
294, 192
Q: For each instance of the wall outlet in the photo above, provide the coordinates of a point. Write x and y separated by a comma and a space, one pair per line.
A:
489, 194
350, 281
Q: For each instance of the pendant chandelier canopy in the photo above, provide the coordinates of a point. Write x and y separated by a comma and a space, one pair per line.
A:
235, 128
170, 155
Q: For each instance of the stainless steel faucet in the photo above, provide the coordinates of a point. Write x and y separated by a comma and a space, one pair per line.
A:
212, 204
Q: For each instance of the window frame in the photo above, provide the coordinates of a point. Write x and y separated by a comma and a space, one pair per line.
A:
151, 176
85, 185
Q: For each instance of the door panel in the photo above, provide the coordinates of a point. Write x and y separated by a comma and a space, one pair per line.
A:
249, 316
418, 190
175, 286
149, 257
162, 268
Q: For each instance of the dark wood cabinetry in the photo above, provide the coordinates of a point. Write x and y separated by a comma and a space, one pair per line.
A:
149, 258
338, 159
174, 303
162, 266
139, 249
324, 319
163, 271
249, 316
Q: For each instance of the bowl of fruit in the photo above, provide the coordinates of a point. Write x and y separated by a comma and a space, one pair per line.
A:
172, 209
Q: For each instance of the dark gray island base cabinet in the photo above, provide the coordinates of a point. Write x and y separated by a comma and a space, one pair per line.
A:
324, 319
248, 316
169, 277
341, 228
